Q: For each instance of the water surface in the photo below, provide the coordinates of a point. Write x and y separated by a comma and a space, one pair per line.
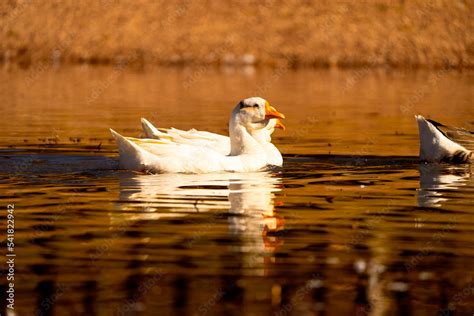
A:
352, 224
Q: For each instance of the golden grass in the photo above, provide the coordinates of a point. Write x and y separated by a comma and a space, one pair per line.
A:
401, 33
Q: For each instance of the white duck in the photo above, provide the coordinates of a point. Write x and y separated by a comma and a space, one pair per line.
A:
165, 155
440, 143
218, 142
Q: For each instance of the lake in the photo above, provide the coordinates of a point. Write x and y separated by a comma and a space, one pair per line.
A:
352, 224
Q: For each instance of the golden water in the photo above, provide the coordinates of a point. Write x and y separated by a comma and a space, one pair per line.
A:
352, 224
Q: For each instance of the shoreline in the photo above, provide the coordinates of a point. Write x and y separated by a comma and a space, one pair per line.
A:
145, 65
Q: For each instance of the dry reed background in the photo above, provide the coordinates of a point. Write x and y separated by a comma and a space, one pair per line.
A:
400, 33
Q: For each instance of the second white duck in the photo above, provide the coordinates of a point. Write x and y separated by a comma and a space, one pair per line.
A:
440, 143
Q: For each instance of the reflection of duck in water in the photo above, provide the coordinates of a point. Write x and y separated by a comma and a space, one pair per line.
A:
434, 179
253, 204
175, 193
440, 143
249, 198
253, 218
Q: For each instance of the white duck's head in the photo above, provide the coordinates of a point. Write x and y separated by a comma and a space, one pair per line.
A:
253, 117
255, 113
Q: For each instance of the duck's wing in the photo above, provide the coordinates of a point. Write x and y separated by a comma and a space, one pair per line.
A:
164, 156
192, 137
195, 134
461, 136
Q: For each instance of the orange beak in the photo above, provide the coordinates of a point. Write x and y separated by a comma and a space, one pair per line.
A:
279, 124
271, 112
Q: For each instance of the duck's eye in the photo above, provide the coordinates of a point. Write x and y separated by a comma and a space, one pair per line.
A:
255, 105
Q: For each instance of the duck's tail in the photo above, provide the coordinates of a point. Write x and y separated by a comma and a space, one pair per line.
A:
150, 130
435, 146
132, 156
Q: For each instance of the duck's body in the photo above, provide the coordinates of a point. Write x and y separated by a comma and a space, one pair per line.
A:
451, 145
217, 142
161, 157
177, 152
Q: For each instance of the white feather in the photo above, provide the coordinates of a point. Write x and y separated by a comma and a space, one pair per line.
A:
434, 145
